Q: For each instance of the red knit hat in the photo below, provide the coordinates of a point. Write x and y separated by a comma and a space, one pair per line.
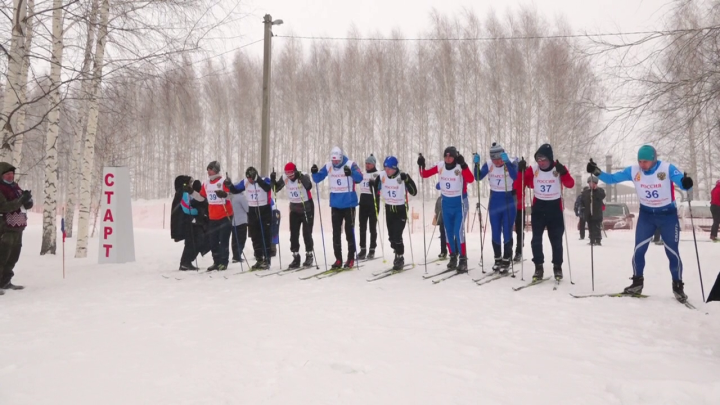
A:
290, 167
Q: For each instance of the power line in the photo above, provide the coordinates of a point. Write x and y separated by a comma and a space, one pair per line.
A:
511, 38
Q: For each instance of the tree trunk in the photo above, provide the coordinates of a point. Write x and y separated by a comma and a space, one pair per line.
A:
81, 121
20, 126
11, 102
89, 148
49, 238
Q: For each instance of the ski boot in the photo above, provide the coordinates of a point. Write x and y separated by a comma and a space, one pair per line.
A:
309, 260
349, 264
598, 243
557, 272
371, 254
337, 265
452, 265
442, 256
677, 286
637, 286
539, 271
399, 262
504, 266
262, 264
462, 266
11, 286
2, 292
362, 254
497, 266
222, 267
295, 264
258, 263
187, 266
518, 257
213, 267
236, 260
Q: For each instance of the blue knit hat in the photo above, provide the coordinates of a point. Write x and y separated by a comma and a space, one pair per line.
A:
647, 152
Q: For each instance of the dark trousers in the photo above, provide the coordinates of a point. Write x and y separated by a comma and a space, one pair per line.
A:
190, 250
595, 228
259, 220
239, 234
396, 218
548, 217
656, 235
715, 211
10, 247
581, 227
348, 216
443, 238
519, 230
367, 214
219, 237
298, 219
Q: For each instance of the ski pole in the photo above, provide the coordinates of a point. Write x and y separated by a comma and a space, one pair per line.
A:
307, 223
562, 212
407, 204
697, 255
425, 247
272, 217
322, 231
266, 252
237, 240
482, 241
512, 262
592, 245
522, 223
432, 235
378, 225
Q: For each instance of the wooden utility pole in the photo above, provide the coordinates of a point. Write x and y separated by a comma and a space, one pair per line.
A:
265, 121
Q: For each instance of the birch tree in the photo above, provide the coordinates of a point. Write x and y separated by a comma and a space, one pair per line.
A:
13, 86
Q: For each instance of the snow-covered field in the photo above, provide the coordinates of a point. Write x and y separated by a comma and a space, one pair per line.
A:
123, 334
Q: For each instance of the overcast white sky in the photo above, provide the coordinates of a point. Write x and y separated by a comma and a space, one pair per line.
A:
334, 17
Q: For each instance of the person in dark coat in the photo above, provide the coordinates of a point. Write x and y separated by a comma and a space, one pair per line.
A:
13, 219
580, 213
188, 220
592, 201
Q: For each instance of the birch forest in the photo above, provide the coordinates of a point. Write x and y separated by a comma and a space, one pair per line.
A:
93, 83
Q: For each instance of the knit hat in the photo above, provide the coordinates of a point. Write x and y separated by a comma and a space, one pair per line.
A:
214, 166
592, 179
371, 159
6, 167
251, 172
451, 151
496, 151
290, 167
545, 150
391, 162
647, 152
336, 153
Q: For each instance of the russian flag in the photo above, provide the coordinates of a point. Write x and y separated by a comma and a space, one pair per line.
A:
62, 228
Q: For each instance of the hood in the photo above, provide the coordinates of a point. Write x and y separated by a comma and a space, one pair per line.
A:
6, 167
336, 153
342, 162
546, 150
180, 182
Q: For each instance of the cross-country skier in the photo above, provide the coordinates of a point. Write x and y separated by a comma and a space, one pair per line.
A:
394, 185
500, 173
220, 211
343, 174
547, 178
653, 180
454, 175
302, 211
258, 193
519, 193
439, 223
368, 209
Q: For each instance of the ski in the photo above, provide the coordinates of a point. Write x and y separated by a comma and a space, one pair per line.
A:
336, 272
620, 294
437, 274
318, 274
391, 272
485, 276
287, 270
557, 284
688, 304
491, 278
531, 284
435, 261
440, 280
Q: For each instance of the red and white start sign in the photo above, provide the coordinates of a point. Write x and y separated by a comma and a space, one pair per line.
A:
117, 243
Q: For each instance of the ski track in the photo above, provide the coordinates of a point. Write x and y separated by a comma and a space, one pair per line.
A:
122, 334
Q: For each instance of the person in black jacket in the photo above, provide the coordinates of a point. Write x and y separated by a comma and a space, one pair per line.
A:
580, 213
302, 211
368, 209
592, 201
188, 220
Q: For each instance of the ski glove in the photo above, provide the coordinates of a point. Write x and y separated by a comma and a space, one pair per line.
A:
522, 165
273, 177
505, 157
562, 170
197, 186
347, 170
403, 177
221, 194
314, 169
476, 158
421, 161
228, 182
188, 188
26, 196
686, 181
460, 159
593, 168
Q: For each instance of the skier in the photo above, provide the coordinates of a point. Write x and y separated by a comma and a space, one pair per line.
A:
368, 209
593, 196
519, 194
715, 211
302, 211
215, 191
187, 220
439, 223
653, 181
240, 225
580, 213
344, 174
14, 202
394, 185
547, 178
453, 187
500, 173
259, 214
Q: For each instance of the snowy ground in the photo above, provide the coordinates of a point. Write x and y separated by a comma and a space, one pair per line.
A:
122, 334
